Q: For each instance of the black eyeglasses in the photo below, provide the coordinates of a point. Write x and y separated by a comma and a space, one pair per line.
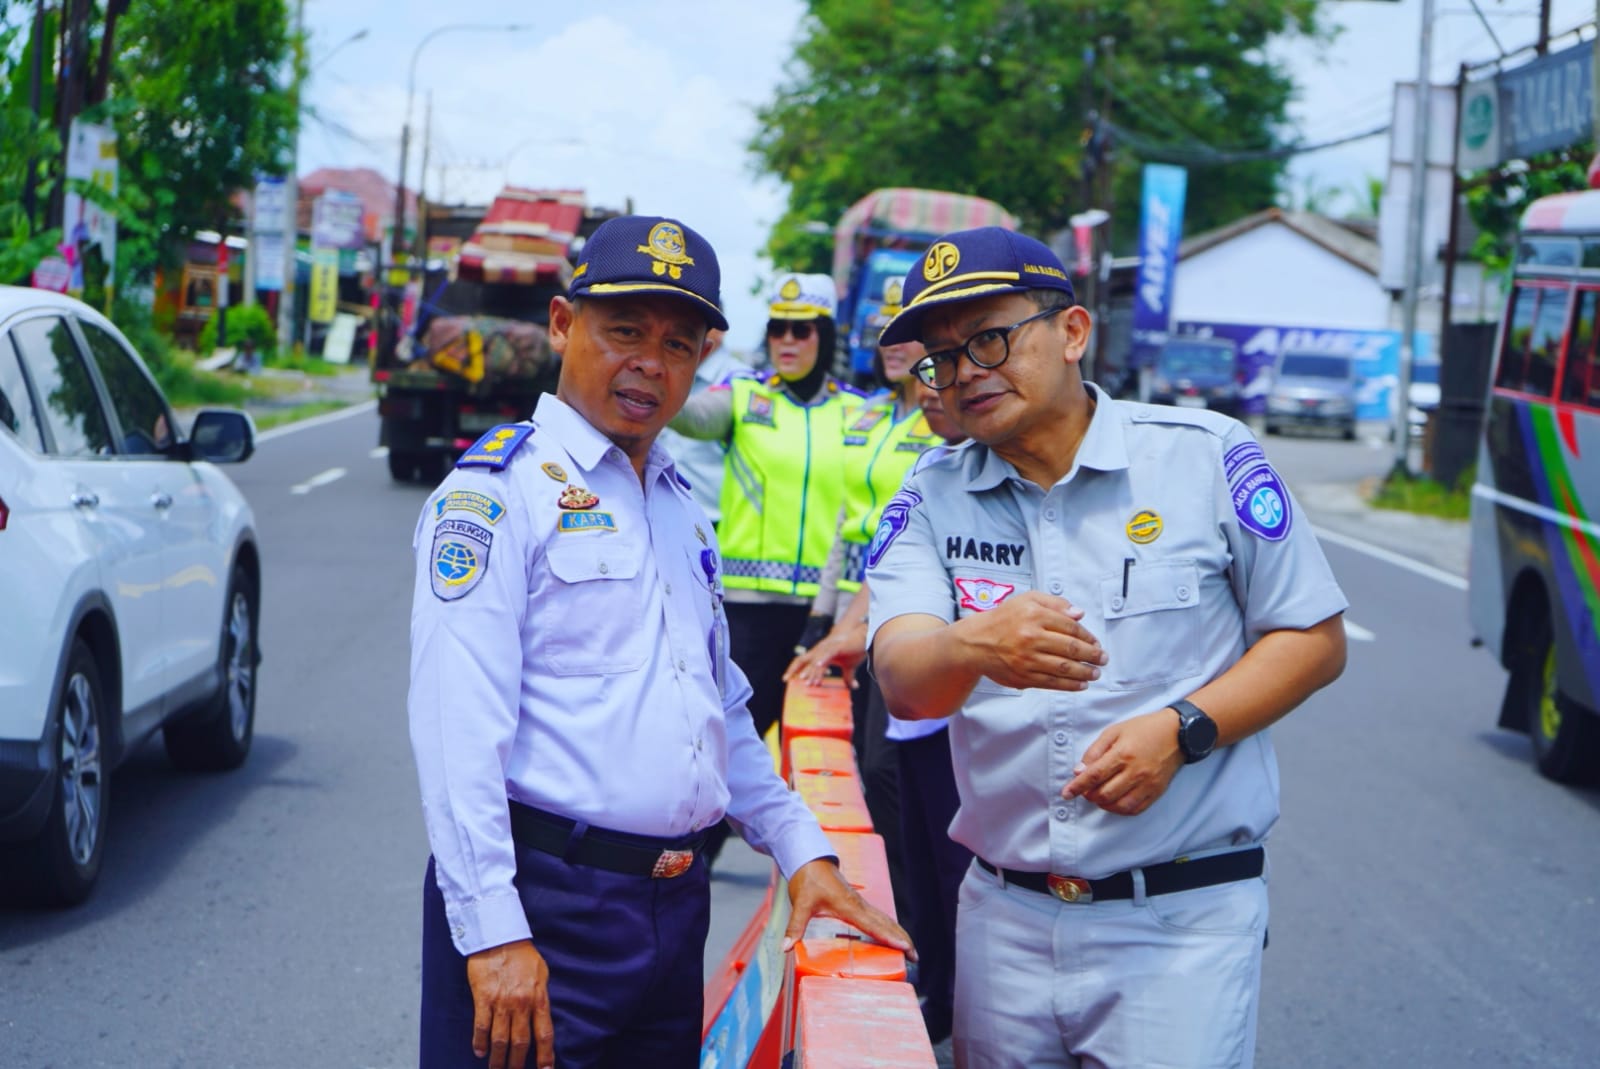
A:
987, 349
799, 331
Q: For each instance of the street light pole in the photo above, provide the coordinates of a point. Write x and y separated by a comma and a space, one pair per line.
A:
405, 129
1421, 107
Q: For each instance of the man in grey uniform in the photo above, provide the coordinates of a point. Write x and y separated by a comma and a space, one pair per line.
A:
1117, 600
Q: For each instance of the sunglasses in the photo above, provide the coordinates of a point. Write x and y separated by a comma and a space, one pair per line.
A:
800, 331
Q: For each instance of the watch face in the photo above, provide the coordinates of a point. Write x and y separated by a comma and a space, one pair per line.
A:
1200, 736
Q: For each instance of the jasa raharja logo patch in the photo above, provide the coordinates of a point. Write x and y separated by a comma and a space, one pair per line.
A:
666, 248
941, 260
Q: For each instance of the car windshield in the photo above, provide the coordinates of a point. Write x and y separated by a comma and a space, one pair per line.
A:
1425, 371
1196, 360
1315, 366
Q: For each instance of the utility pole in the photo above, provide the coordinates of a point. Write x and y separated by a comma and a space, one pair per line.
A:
291, 186
1102, 263
1419, 177
422, 184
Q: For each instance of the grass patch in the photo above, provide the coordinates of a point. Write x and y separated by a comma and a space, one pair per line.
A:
187, 386
1425, 497
278, 417
306, 365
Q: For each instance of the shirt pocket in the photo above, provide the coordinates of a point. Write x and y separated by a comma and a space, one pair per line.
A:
1152, 628
591, 619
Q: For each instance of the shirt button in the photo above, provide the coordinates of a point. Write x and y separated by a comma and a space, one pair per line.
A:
1183, 593
682, 667
699, 744
1055, 587
1116, 604
1050, 514
1061, 812
603, 568
669, 590
1061, 738
459, 932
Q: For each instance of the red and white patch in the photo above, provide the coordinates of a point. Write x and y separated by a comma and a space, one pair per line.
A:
981, 595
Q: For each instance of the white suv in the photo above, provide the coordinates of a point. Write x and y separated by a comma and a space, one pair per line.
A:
129, 586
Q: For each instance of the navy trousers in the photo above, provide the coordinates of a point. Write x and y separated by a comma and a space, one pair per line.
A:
935, 865
625, 955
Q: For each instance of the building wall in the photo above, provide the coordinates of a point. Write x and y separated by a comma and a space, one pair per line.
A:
1273, 276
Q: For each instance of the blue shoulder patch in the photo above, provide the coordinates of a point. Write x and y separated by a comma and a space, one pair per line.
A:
494, 449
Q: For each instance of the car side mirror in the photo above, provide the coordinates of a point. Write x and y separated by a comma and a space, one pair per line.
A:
222, 436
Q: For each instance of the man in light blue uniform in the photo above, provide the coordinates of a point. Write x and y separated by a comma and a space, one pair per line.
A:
576, 721
1117, 600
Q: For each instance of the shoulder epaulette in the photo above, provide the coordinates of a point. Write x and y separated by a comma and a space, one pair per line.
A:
1205, 419
494, 449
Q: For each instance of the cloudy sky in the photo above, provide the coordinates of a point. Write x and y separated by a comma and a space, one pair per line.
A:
653, 100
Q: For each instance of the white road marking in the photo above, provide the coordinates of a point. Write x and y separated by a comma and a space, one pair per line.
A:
316, 421
1357, 632
379, 453
1416, 567
320, 479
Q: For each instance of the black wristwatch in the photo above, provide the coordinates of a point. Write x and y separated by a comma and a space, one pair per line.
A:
1197, 732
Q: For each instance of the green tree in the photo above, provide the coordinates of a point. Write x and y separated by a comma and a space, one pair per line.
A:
992, 97
201, 105
1497, 198
27, 145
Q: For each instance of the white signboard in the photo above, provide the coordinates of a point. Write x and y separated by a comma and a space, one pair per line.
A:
89, 230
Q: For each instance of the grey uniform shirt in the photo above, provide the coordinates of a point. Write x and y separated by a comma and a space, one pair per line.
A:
1183, 548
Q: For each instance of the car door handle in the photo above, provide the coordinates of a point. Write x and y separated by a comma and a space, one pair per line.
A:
161, 499
85, 499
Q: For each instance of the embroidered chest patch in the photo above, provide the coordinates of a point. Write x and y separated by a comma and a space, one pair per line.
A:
981, 595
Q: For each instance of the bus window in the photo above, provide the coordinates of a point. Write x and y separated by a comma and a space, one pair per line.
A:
1514, 355
1580, 383
1544, 348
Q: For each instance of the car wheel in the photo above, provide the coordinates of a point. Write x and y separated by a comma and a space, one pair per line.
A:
219, 738
60, 866
432, 467
1272, 428
1349, 432
403, 466
1566, 738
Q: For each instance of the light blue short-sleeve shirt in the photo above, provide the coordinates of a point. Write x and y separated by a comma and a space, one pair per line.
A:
1183, 547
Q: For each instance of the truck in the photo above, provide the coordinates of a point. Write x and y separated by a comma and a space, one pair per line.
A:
476, 352
878, 239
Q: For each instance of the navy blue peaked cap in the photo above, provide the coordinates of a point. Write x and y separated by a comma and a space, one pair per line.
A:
643, 254
969, 264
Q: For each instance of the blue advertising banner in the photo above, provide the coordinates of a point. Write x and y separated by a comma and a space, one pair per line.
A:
1160, 231
1376, 352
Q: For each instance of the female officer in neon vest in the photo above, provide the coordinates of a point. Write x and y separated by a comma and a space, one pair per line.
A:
781, 491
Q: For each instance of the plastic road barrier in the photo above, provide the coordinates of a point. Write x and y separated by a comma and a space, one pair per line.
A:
857, 1024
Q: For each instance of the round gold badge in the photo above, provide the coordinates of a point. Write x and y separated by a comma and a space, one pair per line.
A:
1144, 528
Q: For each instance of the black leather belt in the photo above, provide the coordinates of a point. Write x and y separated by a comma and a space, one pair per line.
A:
1163, 879
614, 851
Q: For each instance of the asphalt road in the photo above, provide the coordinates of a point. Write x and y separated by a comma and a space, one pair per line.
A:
1434, 901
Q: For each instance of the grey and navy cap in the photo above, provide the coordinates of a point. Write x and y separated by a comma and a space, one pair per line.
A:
969, 264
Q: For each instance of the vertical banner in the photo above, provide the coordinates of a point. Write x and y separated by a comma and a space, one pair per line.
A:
270, 224
1160, 231
324, 284
89, 230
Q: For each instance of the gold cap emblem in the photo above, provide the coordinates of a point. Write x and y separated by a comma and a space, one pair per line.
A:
790, 290
942, 259
666, 248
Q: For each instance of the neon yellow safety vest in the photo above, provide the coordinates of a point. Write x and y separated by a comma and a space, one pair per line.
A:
879, 451
780, 488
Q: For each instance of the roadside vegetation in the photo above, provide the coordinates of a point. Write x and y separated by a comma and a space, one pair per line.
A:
1425, 496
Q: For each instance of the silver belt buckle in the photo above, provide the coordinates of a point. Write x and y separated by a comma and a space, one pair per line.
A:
1070, 889
672, 864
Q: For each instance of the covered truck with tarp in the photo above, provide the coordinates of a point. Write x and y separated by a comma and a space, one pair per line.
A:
478, 353
878, 239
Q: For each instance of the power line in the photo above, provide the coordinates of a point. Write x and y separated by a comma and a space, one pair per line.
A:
1200, 155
